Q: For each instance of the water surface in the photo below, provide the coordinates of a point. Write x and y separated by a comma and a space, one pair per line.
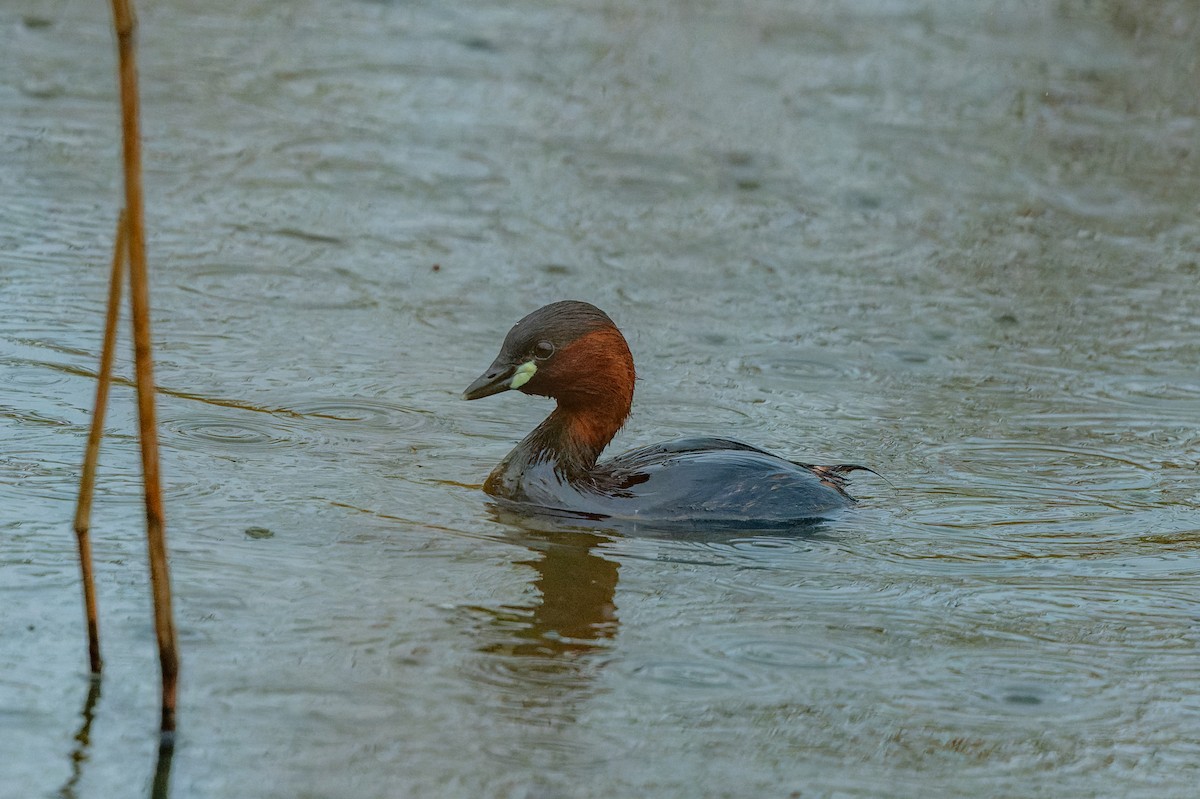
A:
959, 244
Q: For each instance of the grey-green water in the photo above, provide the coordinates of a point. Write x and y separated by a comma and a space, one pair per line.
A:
959, 242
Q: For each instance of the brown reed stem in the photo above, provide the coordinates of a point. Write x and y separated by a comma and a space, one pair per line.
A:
160, 577
87, 482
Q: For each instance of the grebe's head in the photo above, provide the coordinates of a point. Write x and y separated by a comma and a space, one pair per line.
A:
568, 350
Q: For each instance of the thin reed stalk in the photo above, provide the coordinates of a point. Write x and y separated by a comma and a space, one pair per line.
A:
160, 578
87, 482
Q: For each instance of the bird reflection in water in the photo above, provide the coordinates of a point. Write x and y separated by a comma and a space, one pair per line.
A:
577, 612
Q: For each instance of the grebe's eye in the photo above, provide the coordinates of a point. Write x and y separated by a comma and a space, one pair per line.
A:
543, 350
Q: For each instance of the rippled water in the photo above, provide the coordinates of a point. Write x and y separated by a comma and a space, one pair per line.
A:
957, 242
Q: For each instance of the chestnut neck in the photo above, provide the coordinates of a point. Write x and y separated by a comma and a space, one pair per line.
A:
592, 379
575, 435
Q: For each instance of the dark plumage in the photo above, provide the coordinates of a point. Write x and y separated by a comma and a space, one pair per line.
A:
573, 352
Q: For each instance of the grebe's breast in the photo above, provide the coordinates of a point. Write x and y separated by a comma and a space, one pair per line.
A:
695, 480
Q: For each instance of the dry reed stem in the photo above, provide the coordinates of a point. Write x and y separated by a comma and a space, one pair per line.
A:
160, 577
87, 482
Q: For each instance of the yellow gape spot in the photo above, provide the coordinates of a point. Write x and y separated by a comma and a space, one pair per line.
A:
523, 374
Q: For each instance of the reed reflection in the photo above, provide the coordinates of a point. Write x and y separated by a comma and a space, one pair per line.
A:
83, 739
159, 786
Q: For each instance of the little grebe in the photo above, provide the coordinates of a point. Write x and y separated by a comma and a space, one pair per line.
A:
573, 352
